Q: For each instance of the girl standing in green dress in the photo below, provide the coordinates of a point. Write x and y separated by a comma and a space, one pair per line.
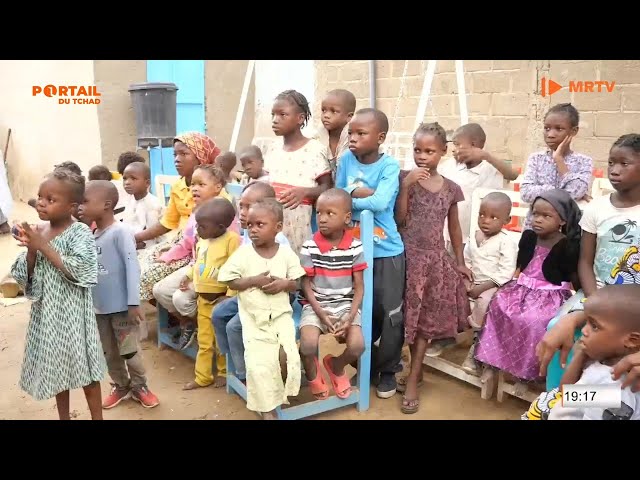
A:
63, 349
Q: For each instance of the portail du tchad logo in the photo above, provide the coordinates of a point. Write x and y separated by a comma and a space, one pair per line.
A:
70, 94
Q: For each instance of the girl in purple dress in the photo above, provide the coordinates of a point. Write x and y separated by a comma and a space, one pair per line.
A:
436, 305
519, 312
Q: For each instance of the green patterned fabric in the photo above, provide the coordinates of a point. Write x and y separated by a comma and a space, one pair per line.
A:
63, 349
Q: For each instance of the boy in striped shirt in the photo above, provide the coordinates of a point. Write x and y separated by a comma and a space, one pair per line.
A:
333, 289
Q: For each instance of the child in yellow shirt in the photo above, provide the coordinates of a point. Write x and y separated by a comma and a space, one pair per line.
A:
214, 246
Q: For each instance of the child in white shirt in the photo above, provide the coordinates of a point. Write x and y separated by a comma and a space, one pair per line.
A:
142, 209
472, 167
491, 255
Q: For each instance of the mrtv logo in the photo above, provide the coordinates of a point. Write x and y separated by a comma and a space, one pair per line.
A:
69, 94
549, 87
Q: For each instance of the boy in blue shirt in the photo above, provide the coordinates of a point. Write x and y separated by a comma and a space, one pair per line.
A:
116, 297
372, 180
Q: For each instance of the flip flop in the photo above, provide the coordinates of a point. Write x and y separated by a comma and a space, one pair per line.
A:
407, 408
341, 384
402, 384
318, 387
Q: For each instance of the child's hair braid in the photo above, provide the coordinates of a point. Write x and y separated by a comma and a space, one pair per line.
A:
630, 140
214, 171
299, 100
434, 129
569, 110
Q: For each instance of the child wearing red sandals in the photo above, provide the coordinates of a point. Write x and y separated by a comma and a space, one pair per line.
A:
333, 289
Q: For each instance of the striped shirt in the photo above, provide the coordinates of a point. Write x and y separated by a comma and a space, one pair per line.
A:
331, 268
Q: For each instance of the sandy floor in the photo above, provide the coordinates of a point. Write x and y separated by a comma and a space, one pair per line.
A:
442, 397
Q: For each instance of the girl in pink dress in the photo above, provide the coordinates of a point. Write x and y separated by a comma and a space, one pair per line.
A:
436, 305
519, 312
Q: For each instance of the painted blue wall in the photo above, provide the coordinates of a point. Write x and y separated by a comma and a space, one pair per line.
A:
188, 75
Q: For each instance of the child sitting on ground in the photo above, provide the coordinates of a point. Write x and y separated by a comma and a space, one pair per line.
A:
491, 255
116, 297
263, 274
215, 245
338, 107
227, 162
612, 331
253, 165
333, 290
472, 167
142, 209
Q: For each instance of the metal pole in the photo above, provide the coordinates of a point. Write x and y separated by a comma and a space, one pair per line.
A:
426, 91
372, 83
462, 93
241, 105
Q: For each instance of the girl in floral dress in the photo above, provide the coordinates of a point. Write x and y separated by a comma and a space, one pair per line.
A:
436, 305
299, 168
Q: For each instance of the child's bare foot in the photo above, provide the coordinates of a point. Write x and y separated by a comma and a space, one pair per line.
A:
193, 386
272, 415
220, 382
488, 375
520, 389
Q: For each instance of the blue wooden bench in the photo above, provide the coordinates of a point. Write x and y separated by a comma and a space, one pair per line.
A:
359, 394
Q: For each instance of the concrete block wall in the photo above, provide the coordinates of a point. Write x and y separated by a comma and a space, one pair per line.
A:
116, 117
502, 95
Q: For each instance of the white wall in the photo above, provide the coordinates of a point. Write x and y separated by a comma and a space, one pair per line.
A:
43, 132
275, 76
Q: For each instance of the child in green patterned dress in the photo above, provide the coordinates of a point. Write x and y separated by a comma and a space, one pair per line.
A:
58, 270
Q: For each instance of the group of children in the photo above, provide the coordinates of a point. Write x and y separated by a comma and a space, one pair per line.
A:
427, 287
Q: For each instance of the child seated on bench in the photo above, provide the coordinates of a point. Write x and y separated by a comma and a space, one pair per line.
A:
333, 290
215, 244
263, 273
520, 310
611, 332
491, 255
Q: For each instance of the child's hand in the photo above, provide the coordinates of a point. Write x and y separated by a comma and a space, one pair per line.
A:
28, 236
563, 149
362, 192
185, 284
631, 366
293, 197
474, 292
136, 315
472, 154
261, 280
329, 320
341, 327
276, 285
416, 175
468, 274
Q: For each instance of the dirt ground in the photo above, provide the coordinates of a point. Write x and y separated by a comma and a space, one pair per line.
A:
441, 397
